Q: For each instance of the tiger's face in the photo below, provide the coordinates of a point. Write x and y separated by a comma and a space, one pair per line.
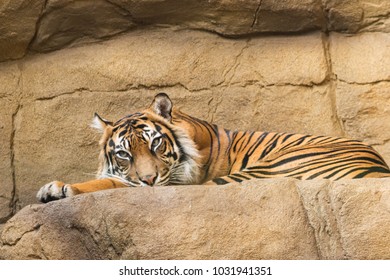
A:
146, 149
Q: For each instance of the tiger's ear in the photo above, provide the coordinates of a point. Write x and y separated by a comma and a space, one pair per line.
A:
162, 106
99, 123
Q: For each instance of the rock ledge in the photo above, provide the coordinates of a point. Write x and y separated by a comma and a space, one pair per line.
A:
259, 219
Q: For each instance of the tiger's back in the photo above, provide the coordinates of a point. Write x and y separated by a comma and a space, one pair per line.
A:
234, 156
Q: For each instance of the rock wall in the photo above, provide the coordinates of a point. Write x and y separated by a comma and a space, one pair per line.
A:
260, 219
317, 67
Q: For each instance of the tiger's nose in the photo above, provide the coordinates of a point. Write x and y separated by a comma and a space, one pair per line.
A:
149, 179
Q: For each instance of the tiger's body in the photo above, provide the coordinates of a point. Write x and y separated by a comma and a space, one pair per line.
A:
163, 146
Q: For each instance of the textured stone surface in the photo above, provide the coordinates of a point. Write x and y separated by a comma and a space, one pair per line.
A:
200, 61
260, 219
350, 218
362, 89
357, 15
362, 58
9, 93
46, 25
363, 218
6, 135
18, 19
365, 113
65, 22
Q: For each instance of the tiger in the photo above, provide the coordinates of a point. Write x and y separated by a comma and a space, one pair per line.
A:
163, 146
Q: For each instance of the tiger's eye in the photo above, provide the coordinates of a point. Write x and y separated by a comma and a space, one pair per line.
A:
156, 142
123, 155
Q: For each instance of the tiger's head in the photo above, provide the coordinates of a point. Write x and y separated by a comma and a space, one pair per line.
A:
146, 148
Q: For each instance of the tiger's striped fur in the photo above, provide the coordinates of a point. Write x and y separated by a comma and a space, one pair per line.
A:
163, 146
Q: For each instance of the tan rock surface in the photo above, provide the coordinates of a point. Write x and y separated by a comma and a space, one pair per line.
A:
6, 161
199, 61
363, 218
188, 222
350, 218
43, 26
363, 58
364, 113
65, 22
10, 79
260, 219
18, 19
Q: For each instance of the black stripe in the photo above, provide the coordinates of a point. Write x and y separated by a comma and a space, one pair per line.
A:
220, 181
287, 137
374, 169
238, 140
246, 157
270, 146
240, 175
290, 159
234, 178
295, 142
352, 161
252, 150
314, 139
299, 167
351, 171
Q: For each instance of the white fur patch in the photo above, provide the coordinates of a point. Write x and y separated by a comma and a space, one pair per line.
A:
99, 123
188, 171
54, 190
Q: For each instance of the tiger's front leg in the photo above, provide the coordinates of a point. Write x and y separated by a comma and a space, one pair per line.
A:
58, 190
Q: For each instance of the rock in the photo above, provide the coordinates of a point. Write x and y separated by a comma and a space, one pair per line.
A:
9, 93
349, 65
42, 26
350, 217
363, 218
201, 61
18, 19
375, 16
356, 16
362, 87
6, 161
229, 17
259, 219
263, 114
344, 16
364, 113
300, 61
67, 22
290, 16
183, 222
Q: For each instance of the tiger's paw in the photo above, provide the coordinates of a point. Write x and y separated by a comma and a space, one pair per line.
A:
54, 191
